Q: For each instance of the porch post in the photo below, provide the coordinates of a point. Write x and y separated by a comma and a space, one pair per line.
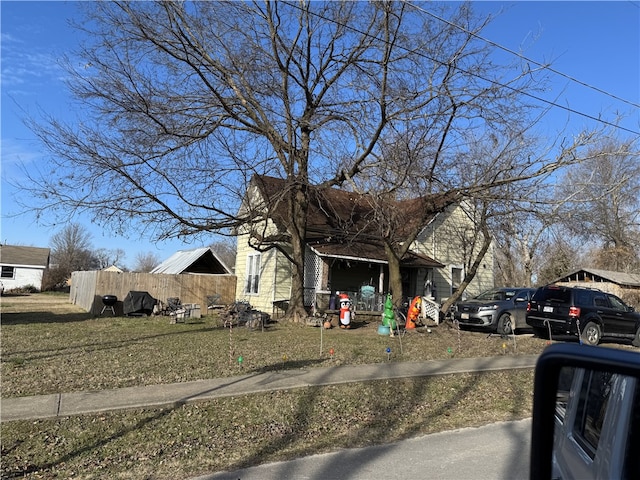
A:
381, 279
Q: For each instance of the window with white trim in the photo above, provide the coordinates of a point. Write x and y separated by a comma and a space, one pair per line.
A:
252, 280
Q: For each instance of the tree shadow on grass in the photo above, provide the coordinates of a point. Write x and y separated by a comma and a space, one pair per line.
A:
384, 426
99, 346
43, 317
98, 443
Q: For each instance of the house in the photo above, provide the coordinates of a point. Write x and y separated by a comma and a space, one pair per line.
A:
624, 285
23, 266
199, 260
338, 260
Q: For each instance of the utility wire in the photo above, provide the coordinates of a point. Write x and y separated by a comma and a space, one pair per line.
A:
519, 55
522, 92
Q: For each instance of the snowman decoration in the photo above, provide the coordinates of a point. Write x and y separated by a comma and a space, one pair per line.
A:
345, 311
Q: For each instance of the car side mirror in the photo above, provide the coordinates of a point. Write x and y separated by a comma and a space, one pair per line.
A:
551, 395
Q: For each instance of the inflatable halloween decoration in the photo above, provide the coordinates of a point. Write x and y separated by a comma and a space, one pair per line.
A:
413, 313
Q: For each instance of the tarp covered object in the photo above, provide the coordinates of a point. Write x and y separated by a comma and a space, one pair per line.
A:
138, 303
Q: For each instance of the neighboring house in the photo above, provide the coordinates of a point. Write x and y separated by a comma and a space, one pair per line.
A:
113, 268
337, 260
23, 266
199, 260
624, 285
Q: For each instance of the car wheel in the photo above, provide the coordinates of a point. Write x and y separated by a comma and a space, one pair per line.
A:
505, 325
591, 334
636, 338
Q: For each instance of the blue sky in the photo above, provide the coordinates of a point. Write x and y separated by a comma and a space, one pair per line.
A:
597, 43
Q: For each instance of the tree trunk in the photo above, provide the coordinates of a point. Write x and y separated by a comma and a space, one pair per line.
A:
298, 208
395, 278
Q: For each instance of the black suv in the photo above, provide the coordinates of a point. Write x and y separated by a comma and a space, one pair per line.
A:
500, 310
588, 313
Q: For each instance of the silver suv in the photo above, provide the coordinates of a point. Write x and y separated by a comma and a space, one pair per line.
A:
500, 310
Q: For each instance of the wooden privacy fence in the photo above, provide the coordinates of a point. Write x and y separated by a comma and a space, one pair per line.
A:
87, 288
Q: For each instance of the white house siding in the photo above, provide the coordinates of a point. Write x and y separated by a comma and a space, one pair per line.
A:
275, 276
443, 240
242, 252
23, 276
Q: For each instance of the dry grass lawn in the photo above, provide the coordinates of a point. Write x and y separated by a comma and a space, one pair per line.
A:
51, 346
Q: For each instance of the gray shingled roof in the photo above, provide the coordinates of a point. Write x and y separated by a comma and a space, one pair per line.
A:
198, 260
13, 255
620, 278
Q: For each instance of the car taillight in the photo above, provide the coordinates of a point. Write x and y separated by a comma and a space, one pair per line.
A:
528, 306
574, 311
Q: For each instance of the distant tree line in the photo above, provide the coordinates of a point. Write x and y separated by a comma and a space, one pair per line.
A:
72, 250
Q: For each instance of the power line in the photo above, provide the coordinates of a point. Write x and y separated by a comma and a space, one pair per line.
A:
522, 92
519, 55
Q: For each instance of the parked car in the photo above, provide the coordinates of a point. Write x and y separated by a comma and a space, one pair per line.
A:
587, 313
500, 310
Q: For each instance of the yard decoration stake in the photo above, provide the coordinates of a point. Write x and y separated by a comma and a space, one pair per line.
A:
388, 350
577, 327
230, 344
321, 329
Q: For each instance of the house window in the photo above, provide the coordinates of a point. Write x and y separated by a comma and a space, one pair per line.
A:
7, 272
252, 280
456, 278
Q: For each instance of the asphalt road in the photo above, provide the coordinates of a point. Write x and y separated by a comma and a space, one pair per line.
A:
493, 452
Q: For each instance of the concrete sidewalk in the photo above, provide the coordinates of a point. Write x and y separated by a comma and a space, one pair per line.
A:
175, 394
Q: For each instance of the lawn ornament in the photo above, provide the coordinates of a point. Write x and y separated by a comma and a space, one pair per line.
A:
345, 311
388, 317
413, 313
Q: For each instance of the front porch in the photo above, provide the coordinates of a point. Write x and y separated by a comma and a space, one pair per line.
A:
369, 306
362, 272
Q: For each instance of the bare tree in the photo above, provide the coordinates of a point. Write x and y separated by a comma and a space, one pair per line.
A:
186, 101
557, 258
71, 250
604, 204
226, 251
145, 262
500, 180
108, 257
